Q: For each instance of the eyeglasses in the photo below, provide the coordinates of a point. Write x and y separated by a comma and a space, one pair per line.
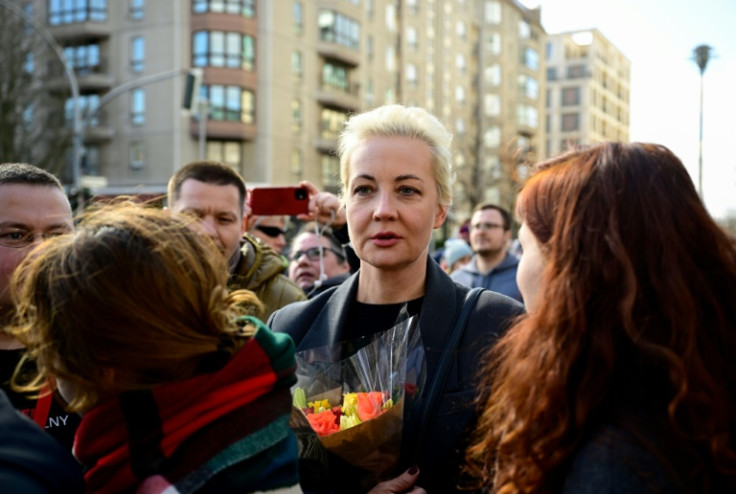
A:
313, 253
17, 239
271, 231
487, 226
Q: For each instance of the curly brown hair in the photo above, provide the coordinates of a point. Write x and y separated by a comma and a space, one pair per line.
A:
133, 299
635, 305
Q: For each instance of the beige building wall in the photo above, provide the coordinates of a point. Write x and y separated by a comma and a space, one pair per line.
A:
462, 60
588, 91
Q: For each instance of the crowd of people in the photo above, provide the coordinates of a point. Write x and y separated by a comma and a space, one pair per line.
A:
158, 347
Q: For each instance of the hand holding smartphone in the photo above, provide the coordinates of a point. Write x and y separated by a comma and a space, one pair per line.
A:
269, 201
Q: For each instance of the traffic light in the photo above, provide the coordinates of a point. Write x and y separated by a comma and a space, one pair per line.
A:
191, 89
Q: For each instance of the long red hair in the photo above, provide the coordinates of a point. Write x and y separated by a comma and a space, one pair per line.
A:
640, 283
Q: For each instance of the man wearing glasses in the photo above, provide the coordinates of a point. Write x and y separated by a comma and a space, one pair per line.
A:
33, 207
492, 266
317, 260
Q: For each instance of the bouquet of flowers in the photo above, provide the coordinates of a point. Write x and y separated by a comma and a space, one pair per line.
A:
353, 395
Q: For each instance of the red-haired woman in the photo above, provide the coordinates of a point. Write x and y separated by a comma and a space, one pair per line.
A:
622, 378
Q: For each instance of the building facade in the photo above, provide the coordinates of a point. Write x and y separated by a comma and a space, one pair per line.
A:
588, 91
281, 77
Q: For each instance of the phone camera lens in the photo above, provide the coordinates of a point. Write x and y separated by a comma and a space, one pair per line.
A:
300, 194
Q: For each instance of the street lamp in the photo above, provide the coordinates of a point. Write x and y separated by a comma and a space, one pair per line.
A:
702, 55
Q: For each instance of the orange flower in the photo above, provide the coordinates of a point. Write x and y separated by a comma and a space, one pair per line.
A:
370, 405
324, 423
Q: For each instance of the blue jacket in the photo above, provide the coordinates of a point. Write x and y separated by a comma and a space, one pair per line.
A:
320, 321
501, 279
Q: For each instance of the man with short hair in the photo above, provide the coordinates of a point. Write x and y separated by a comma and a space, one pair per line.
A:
318, 261
33, 207
215, 194
492, 266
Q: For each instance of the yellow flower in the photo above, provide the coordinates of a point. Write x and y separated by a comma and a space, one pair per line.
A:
319, 405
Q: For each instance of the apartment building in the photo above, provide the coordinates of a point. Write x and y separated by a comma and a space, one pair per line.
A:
281, 77
588, 91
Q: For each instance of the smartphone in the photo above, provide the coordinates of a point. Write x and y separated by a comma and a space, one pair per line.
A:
268, 201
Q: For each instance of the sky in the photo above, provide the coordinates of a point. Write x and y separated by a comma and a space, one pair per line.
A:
658, 38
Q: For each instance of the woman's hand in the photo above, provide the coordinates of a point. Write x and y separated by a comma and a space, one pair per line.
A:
322, 205
402, 483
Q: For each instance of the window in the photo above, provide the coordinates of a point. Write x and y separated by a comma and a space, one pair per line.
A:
570, 96
493, 12
412, 6
72, 11
531, 58
493, 43
492, 74
330, 170
492, 105
460, 62
84, 58
576, 71
229, 103
369, 47
298, 14
228, 152
570, 122
137, 54
88, 104
525, 31
460, 95
549, 51
245, 8
390, 58
335, 77
492, 137
297, 163
460, 126
411, 37
411, 75
337, 28
221, 49
331, 123
137, 155
137, 107
91, 160
296, 64
551, 74
528, 116
368, 91
296, 115
391, 17
528, 87
460, 30
29, 64
136, 9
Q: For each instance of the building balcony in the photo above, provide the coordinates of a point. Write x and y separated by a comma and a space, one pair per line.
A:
325, 144
90, 78
225, 130
99, 129
77, 31
338, 52
333, 97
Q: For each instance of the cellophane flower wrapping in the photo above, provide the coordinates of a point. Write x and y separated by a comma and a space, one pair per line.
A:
376, 379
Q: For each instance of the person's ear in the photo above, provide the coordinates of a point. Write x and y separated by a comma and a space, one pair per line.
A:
439, 216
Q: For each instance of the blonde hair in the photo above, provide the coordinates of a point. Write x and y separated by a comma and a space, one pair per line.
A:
401, 121
133, 299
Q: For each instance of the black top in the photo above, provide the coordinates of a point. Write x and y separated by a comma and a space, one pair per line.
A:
60, 424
